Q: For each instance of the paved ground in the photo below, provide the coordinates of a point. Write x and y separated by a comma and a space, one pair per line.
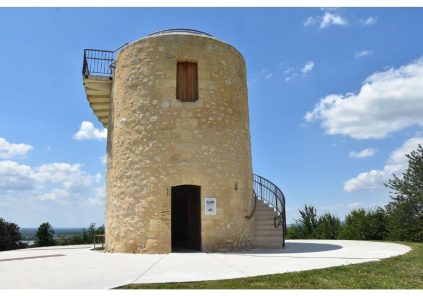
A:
79, 267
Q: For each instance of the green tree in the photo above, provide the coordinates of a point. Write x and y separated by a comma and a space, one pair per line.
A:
364, 225
376, 222
44, 235
328, 227
10, 236
355, 225
294, 232
100, 230
405, 211
308, 221
91, 232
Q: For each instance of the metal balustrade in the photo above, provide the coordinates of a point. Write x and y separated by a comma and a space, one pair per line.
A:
265, 190
98, 62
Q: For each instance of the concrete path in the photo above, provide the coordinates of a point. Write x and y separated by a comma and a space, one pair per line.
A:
75, 267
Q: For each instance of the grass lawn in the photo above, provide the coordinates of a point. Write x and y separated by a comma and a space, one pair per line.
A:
401, 272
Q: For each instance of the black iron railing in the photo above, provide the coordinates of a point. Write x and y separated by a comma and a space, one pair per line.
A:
190, 31
272, 195
99, 62
249, 216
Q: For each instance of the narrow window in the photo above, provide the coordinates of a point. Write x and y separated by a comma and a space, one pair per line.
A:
187, 82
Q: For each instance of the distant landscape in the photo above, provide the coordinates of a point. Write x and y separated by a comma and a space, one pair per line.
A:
28, 234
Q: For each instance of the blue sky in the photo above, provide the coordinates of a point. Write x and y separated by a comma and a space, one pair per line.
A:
335, 97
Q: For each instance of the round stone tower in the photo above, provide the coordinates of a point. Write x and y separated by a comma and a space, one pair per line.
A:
178, 152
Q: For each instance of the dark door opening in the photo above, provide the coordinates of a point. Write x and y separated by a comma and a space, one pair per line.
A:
186, 218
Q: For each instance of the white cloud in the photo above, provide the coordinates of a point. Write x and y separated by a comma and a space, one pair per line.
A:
363, 153
268, 76
10, 150
70, 175
362, 53
87, 131
103, 159
45, 182
332, 19
99, 197
290, 73
355, 205
308, 67
256, 77
387, 102
14, 176
396, 164
54, 194
310, 21
368, 21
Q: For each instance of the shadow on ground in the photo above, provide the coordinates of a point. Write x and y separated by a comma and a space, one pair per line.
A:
298, 247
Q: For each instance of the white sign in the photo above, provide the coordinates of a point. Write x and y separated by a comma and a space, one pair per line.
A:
210, 206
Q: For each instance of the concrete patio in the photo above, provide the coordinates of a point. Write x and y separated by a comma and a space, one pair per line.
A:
77, 267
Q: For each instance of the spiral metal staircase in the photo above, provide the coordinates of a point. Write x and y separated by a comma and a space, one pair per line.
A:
269, 213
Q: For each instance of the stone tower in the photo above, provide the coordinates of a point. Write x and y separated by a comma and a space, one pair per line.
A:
179, 170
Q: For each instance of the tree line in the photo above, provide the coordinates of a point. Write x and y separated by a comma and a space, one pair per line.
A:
10, 236
401, 219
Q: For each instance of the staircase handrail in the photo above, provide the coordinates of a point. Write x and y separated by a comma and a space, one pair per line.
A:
270, 193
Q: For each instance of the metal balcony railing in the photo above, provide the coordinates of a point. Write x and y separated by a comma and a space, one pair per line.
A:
99, 62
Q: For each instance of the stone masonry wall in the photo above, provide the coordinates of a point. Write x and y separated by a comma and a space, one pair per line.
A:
156, 142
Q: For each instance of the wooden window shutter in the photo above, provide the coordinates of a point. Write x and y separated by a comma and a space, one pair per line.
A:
187, 82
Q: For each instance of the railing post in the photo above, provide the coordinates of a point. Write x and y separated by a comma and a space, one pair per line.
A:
277, 209
261, 188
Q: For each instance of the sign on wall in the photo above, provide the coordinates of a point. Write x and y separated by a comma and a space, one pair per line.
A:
210, 206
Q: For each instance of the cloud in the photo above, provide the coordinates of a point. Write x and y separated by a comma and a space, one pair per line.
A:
255, 77
368, 21
363, 53
330, 17
14, 176
308, 67
87, 131
355, 206
387, 102
46, 182
99, 197
69, 175
54, 194
290, 72
310, 21
363, 153
103, 159
395, 164
10, 150
268, 76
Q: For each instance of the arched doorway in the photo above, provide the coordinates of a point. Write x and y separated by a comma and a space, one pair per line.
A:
186, 218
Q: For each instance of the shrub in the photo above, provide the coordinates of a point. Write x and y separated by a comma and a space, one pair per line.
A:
362, 225
10, 236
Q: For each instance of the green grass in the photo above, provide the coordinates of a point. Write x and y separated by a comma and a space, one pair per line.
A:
401, 272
